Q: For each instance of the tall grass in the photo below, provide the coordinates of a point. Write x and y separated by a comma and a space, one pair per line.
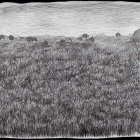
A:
74, 90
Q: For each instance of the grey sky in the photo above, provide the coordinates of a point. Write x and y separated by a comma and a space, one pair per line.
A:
69, 18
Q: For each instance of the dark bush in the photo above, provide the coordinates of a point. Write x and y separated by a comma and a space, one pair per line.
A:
80, 38
86, 45
2, 37
28, 39
34, 39
11, 37
117, 34
85, 36
91, 39
62, 42
31, 39
108, 52
45, 44
68, 39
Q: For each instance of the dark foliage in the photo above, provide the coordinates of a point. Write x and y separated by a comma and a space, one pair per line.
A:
62, 42
11, 37
117, 34
2, 37
91, 39
45, 44
80, 38
31, 39
85, 36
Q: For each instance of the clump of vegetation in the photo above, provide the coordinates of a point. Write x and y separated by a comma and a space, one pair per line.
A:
86, 45
80, 38
91, 39
85, 36
2, 37
117, 34
45, 44
62, 42
68, 39
31, 39
136, 37
11, 37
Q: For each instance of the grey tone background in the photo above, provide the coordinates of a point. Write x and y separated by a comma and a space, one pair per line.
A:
69, 18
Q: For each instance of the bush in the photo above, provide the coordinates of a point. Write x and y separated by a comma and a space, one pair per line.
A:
45, 44
31, 39
68, 39
86, 45
2, 37
62, 42
80, 38
11, 37
85, 36
34, 39
91, 39
117, 34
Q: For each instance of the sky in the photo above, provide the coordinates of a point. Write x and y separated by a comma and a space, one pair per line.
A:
69, 18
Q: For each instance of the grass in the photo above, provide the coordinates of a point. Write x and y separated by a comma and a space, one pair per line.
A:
78, 89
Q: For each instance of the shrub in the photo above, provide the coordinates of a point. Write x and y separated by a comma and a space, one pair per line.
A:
80, 38
2, 37
68, 39
91, 39
34, 39
86, 45
117, 34
62, 42
28, 39
31, 39
11, 37
85, 36
45, 44
136, 37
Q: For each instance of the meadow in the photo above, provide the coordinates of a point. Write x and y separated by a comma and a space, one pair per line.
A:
69, 89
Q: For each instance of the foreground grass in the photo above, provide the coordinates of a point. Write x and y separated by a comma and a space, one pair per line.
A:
71, 90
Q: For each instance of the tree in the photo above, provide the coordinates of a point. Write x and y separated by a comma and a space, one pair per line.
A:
85, 36
11, 37
117, 34
91, 39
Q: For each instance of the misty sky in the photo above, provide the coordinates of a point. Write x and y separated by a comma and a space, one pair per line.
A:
69, 18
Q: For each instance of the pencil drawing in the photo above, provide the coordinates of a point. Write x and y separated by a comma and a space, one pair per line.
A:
70, 69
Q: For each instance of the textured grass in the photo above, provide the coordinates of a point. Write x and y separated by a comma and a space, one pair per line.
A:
79, 89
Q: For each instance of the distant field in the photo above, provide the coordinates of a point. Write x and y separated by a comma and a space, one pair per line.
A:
75, 89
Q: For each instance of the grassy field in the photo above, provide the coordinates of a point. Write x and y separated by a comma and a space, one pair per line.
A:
75, 89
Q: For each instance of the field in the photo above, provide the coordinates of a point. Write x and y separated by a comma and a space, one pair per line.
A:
71, 89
